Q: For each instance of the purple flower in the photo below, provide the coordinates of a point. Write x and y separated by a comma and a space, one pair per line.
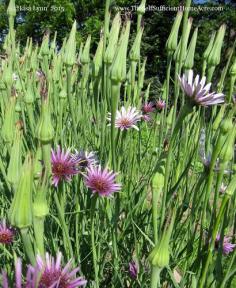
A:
148, 107
133, 269
198, 92
101, 181
53, 275
6, 233
160, 104
63, 166
85, 159
146, 117
228, 247
126, 118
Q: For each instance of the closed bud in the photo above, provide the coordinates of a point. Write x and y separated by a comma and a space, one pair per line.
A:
70, 47
230, 190
135, 50
172, 40
218, 118
45, 130
11, 10
209, 47
20, 214
8, 128
15, 163
214, 56
29, 95
226, 126
227, 151
189, 61
44, 49
113, 39
233, 68
97, 60
85, 57
118, 69
141, 7
40, 205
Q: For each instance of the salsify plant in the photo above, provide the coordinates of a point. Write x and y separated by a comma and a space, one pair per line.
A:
134, 190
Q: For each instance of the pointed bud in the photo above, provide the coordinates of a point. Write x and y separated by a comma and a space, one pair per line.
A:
172, 40
20, 214
44, 49
40, 205
113, 39
8, 127
189, 61
15, 163
29, 95
85, 57
70, 47
226, 126
214, 56
45, 130
97, 60
141, 8
11, 10
135, 50
118, 69
209, 47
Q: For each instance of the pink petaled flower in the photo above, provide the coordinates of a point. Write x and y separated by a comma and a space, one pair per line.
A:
228, 247
160, 104
101, 181
63, 166
85, 159
148, 107
6, 233
198, 92
133, 269
53, 275
126, 118
146, 117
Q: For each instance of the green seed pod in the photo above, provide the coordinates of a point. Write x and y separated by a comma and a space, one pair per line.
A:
45, 130
209, 47
226, 126
233, 68
11, 10
160, 255
135, 50
97, 60
172, 40
214, 56
29, 95
113, 39
118, 69
70, 48
15, 163
8, 128
189, 61
44, 49
141, 8
85, 57
40, 205
188, 29
20, 214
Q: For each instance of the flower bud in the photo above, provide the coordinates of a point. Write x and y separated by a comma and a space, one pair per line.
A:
209, 47
214, 56
135, 50
44, 49
15, 163
118, 69
85, 58
11, 10
40, 205
70, 47
227, 151
230, 190
226, 126
20, 214
113, 39
141, 8
218, 118
172, 40
45, 130
8, 127
97, 60
189, 61
29, 95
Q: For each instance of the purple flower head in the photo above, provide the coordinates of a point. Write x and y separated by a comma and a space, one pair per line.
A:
198, 92
126, 118
6, 233
148, 107
146, 117
52, 274
63, 166
228, 247
133, 269
160, 104
101, 181
85, 159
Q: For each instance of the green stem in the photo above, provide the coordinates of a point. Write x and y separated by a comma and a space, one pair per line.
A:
95, 262
155, 277
27, 244
39, 234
